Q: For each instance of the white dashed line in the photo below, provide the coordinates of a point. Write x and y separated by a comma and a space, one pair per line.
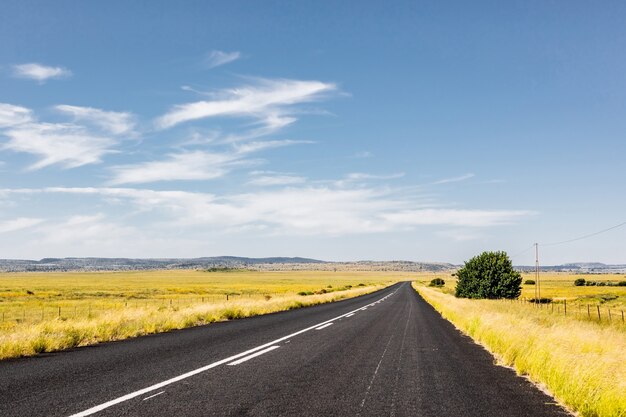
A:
350, 315
324, 326
153, 395
254, 355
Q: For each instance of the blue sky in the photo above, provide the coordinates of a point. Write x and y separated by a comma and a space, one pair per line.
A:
334, 130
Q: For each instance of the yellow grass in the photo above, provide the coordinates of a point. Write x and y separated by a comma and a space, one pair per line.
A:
99, 307
581, 363
560, 286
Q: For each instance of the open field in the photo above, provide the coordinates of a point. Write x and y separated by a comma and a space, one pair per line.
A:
580, 362
45, 312
559, 286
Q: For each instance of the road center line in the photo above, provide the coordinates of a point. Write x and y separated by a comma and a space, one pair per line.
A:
350, 315
324, 326
153, 395
130, 396
254, 355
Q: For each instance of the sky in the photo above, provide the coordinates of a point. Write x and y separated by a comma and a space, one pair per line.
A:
353, 130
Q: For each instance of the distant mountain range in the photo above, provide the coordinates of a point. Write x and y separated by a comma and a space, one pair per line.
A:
590, 267
114, 264
264, 264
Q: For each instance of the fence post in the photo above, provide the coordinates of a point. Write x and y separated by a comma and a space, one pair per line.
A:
609, 314
622, 316
565, 307
59, 311
588, 311
599, 318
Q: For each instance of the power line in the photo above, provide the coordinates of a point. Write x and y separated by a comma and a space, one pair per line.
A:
583, 237
523, 251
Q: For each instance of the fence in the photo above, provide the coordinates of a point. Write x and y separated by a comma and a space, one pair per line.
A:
590, 312
71, 309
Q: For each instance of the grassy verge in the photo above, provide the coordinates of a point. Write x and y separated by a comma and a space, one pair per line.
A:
55, 335
582, 364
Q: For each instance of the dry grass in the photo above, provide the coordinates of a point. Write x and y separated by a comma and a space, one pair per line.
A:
582, 364
100, 307
560, 286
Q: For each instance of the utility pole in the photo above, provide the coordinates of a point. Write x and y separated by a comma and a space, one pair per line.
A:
537, 283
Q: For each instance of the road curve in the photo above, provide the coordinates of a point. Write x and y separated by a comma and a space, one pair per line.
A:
387, 353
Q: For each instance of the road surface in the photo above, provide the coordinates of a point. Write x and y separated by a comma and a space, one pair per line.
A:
384, 354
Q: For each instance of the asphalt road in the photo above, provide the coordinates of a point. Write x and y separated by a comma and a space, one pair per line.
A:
384, 354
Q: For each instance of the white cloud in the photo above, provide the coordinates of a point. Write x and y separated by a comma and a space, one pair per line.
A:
18, 224
81, 230
56, 143
360, 176
307, 210
272, 180
455, 217
11, 115
193, 165
454, 179
117, 123
267, 102
217, 58
40, 72
258, 146
362, 155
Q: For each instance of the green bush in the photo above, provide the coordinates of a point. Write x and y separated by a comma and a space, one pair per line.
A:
579, 282
437, 282
590, 283
621, 284
489, 275
529, 282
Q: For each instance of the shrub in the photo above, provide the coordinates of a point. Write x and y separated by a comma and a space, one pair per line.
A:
437, 282
529, 282
621, 284
541, 300
579, 282
489, 275
601, 284
590, 283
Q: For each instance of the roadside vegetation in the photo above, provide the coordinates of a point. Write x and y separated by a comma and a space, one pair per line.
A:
580, 361
45, 312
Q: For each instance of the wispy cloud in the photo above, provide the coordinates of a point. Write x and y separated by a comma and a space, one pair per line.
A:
18, 224
40, 72
455, 217
217, 58
454, 179
361, 176
267, 101
362, 155
276, 179
11, 115
117, 123
194, 165
68, 145
305, 210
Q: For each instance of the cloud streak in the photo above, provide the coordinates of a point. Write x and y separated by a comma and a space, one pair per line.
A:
217, 58
116, 123
299, 211
267, 101
454, 179
39, 72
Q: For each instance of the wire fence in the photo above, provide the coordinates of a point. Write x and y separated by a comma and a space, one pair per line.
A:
83, 309
589, 312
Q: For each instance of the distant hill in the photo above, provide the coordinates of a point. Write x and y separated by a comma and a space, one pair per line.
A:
579, 267
261, 264
114, 264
